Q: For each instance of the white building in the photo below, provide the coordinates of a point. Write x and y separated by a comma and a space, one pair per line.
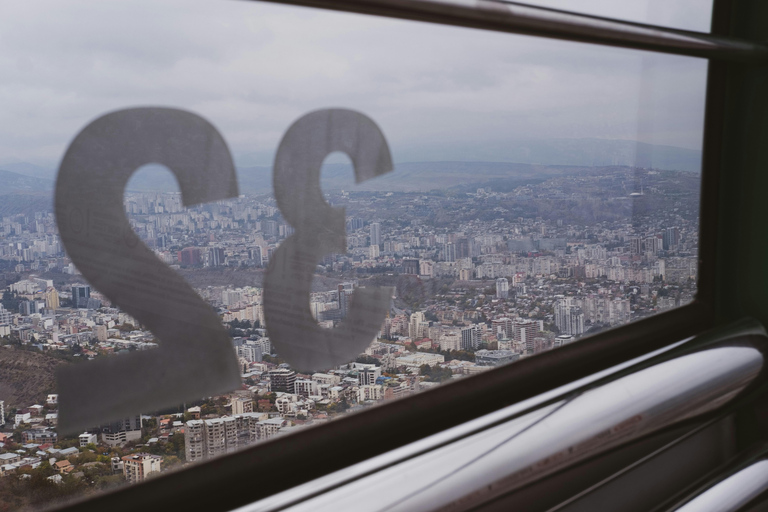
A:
305, 387
139, 466
374, 392
502, 288
569, 317
367, 373
86, 439
419, 358
21, 417
242, 405
450, 341
325, 378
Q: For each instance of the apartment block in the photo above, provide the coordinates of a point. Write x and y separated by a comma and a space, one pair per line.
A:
205, 439
139, 466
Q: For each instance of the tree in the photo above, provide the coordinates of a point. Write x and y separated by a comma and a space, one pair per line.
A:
366, 359
435, 373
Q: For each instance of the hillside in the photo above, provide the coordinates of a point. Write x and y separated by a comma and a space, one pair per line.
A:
26, 377
16, 182
418, 168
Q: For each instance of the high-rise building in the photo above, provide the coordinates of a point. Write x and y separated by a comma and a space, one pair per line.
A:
569, 318
524, 332
653, 244
470, 337
449, 252
255, 256
670, 238
216, 257
343, 299
502, 288
415, 327
51, 298
502, 326
375, 233
250, 351
354, 223
282, 379
463, 248
80, 295
194, 440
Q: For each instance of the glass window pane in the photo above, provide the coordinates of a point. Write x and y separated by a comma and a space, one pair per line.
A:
542, 191
693, 15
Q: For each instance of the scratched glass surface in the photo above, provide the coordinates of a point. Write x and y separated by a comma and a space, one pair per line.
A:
502, 196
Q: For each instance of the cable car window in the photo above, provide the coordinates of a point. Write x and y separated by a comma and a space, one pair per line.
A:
180, 280
680, 14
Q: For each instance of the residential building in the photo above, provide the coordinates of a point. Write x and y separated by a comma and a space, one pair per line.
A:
241, 405
470, 337
139, 466
375, 229
569, 318
204, 439
120, 432
367, 373
502, 288
39, 436
450, 341
87, 438
282, 379
306, 387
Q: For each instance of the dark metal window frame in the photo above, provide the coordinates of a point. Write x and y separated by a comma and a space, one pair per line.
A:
237, 479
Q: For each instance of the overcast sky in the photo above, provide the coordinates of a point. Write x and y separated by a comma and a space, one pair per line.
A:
252, 68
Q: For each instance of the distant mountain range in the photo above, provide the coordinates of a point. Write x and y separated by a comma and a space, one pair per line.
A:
14, 182
578, 152
423, 168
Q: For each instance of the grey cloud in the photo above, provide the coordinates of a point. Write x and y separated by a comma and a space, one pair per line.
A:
253, 68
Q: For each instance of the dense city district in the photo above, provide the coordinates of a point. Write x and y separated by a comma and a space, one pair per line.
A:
484, 275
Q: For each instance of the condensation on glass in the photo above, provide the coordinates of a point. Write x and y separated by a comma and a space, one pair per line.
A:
502, 196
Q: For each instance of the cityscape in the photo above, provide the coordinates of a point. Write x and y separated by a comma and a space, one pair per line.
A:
485, 274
